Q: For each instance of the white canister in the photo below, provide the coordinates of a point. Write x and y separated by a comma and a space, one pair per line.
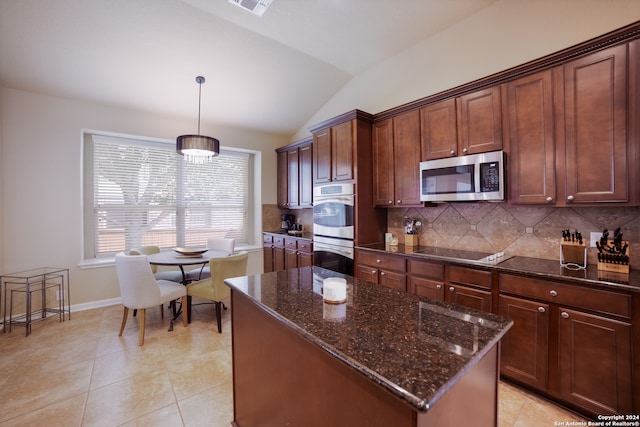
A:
334, 290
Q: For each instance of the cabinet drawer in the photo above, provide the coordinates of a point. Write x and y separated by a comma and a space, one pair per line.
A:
426, 269
576, 296
291, 243
278, 241
305, 246
470, 276
386, 262
267, 239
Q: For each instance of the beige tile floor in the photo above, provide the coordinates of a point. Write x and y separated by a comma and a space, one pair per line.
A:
80, 373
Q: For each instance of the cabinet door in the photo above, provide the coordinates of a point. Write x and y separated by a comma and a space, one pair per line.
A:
278, 259
383, 167
322, 156
480, 121
426, 288
531, 139
293, 174
305, 153
290, 259
283, 179
595, 362
393, 280
524, 354
342, 149
469, 297
406, 155
364, 272
439, 130
267, 257
595, 96
305, 259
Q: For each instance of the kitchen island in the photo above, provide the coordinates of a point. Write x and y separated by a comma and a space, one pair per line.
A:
382, 358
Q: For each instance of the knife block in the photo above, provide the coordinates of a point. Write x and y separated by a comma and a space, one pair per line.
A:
411, 240
573, 255
616, 264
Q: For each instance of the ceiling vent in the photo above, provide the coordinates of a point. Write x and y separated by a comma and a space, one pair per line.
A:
257, 7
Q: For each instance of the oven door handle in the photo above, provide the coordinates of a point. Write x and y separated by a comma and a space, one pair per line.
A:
347, 200
348, 252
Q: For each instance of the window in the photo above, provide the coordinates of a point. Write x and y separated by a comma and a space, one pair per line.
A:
142, 193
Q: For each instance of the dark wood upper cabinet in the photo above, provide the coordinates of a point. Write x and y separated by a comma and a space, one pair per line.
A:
468, 124
295, 166
530, 125
396, 160
383, 181
283, 178
342, 151
480, 121
306, 175
406, 155
592, 92
333, 153
322, 156
439, 130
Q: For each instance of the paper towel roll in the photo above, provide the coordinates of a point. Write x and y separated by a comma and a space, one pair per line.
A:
334, 290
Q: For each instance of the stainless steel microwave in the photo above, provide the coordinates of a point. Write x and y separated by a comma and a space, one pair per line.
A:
466, 178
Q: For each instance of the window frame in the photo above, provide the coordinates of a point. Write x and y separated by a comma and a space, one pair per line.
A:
254, 213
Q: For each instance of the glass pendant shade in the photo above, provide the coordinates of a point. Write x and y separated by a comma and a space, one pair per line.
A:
198, 148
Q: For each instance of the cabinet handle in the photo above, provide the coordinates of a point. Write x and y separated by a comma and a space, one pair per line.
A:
541, 309
564, 315
553, 293
452, 152
452, 289
570, 198
390, 202
399, 201
374, 271
382, 273
549, 199
438, 286
378, 261
464, 150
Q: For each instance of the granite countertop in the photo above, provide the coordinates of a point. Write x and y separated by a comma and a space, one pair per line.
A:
541, 268
415, 348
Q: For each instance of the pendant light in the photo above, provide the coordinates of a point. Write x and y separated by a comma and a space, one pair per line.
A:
198, 148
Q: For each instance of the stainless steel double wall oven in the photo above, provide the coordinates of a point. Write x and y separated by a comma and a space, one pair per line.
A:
333, 227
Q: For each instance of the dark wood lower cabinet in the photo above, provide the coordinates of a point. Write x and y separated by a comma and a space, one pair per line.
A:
525, 349
578, 357
594, 362
469, 297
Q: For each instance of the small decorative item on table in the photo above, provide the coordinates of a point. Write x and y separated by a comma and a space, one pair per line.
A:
573, 250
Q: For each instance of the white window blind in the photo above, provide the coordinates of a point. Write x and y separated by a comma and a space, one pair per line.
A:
146, 194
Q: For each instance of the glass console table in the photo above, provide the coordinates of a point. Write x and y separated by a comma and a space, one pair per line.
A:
31, 292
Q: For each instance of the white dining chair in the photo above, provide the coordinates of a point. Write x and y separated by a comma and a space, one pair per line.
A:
218, 243
140, 290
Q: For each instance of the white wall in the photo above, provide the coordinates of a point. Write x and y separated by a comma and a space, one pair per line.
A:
503, 35
41, 179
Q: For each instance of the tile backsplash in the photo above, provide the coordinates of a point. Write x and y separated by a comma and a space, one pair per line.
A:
533, 231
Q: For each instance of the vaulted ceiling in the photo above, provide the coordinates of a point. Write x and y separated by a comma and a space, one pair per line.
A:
269, 73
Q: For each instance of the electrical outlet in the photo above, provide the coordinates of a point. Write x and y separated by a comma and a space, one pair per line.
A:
594, 237
58, 295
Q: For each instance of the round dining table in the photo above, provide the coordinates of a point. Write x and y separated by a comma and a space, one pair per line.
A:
175, 259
